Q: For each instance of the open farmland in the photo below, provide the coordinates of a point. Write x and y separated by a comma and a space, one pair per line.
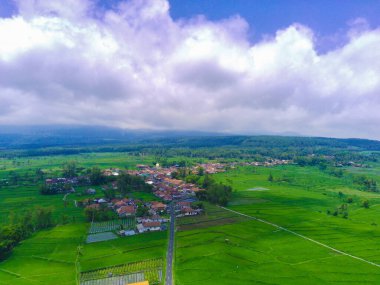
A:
108, 226
49, 257
249, 251
123, 250
150, 270
213, 216
17, 196
57, 256
101, 237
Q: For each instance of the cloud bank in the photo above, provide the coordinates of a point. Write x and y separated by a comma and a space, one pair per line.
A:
135, 67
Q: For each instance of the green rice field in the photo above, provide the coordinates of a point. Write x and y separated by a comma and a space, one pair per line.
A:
246, 251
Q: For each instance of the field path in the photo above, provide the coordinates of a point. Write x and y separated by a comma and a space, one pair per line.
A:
169, 258
304, 237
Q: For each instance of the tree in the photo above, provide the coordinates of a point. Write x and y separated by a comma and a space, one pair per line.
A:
43, 217
65, 219
69, 169
11, 235
127, 183
96, 176
27, 223
45, 190
109, 193
201, 195
216, 194
270, 177
192, 178
198, 205
207, 181
365, 204
99, 214
142, 211
39, 174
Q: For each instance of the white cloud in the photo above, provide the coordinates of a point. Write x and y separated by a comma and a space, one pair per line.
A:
135, 67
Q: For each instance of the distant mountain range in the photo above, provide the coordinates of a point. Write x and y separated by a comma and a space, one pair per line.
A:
66, 135
34, 137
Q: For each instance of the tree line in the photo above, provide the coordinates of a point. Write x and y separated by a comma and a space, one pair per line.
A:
23, 227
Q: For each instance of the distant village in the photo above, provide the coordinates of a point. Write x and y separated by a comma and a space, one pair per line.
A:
146, 216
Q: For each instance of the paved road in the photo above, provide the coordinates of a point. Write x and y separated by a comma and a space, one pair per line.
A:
169, 257
304, 237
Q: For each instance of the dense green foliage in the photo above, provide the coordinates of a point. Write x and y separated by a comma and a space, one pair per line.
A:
215, 193
128, 183
329, 195
12, 234
103, 213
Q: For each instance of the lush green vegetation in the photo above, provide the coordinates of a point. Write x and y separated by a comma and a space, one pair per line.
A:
48, 257
22, 194
331, 196
22, 228
129, 183
215, 193
151, 269
123, 250
20, 197
103, 213
301, 199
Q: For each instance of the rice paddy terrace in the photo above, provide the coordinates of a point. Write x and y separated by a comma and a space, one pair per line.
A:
284, 234
305, 226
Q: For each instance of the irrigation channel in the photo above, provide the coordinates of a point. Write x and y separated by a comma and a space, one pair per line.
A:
304, 237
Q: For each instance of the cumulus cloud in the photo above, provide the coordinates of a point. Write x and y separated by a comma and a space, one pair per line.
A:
135, 67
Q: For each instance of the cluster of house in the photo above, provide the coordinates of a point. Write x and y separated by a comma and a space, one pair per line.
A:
152, 223
128, 208
352, 164
269, 162
65, 185
164, 186
210, 168
184, 208
111, 172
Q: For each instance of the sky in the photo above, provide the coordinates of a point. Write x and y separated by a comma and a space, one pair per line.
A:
247, 67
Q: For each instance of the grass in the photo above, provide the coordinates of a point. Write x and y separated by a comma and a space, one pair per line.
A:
143, 196
25, 195
113, 225
254, 253
18, 200
219, 247
49, 257
250, 252
213, 216
46, 258
101, 237
123, 250
150, 269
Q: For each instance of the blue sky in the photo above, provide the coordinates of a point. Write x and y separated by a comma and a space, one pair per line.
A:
282, 66
329, 19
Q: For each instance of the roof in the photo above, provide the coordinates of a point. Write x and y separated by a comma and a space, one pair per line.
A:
139, 283
120, 203
151, 224
187, 210
126, 209
158, 205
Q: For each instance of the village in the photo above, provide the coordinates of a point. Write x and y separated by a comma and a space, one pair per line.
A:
127, 216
